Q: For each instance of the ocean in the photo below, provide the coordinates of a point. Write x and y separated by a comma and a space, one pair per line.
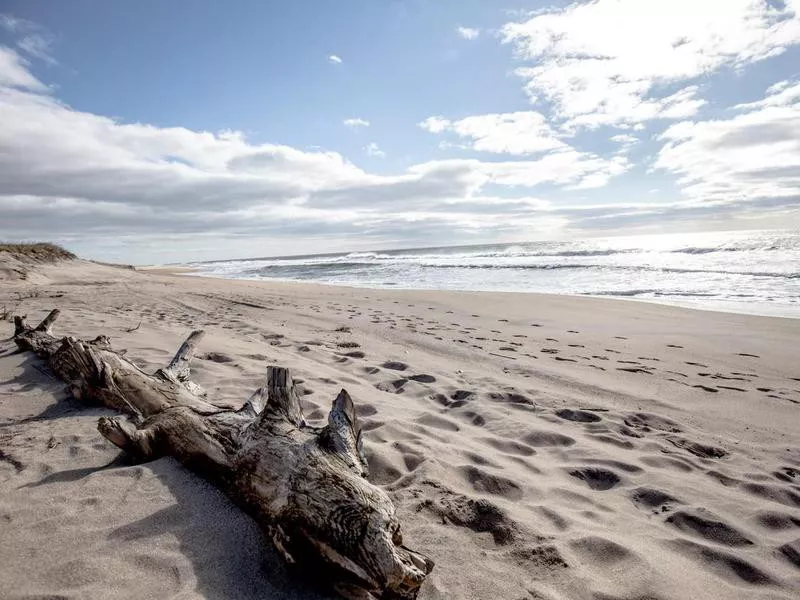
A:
756, 272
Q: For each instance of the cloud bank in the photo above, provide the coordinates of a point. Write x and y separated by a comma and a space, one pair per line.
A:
626, 74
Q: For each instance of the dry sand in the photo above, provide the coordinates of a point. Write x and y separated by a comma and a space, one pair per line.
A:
535, 446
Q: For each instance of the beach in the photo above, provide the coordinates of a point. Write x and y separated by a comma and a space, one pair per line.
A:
536, 446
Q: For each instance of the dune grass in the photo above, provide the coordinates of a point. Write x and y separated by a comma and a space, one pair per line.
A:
37, 251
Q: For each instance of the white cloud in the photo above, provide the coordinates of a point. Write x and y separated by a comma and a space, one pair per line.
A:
356, 122
751, 156
570, 168
14, 71
14, 24
783, 93
434, 124
334, 59
36, 41
525, 132
37, 46
468, 33
85, 179
137, 191
372, 149
605, 62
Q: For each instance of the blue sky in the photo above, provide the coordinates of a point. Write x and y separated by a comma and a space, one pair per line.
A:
165, 131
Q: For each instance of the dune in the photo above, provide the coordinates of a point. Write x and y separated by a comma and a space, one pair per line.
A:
538, 447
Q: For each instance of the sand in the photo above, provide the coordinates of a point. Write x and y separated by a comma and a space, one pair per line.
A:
535, 446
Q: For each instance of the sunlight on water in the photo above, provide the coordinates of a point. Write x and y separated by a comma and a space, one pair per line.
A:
751, 271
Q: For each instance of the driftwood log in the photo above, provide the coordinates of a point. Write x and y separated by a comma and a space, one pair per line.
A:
304, 486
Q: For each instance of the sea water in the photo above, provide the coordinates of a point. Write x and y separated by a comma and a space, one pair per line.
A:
752, 271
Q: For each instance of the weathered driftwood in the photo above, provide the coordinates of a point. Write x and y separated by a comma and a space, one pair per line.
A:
305, 486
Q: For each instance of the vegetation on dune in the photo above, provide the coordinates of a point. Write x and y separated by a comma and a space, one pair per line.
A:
37, 251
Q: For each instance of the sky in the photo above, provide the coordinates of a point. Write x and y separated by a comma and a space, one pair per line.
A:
155, 132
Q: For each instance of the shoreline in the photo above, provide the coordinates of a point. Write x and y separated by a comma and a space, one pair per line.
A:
724, 308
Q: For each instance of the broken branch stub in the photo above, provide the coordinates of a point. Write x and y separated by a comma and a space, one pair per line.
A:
305, 486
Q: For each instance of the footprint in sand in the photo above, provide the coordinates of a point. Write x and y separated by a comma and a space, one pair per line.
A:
707, 527
579, 416
653, 499
648, 422
423, 378
474, 418
393, 387
395, 365
597, 479
486, 483
366, 410
698, 449
602, 553
706, 388
348, 345
217, 357
776, 521
539, 439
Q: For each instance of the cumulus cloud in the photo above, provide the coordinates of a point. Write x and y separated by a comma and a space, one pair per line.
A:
14, 72
434, 124
525, 132
356, 122
468, 33
333, 59
753, 155
528, 133
607, 62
